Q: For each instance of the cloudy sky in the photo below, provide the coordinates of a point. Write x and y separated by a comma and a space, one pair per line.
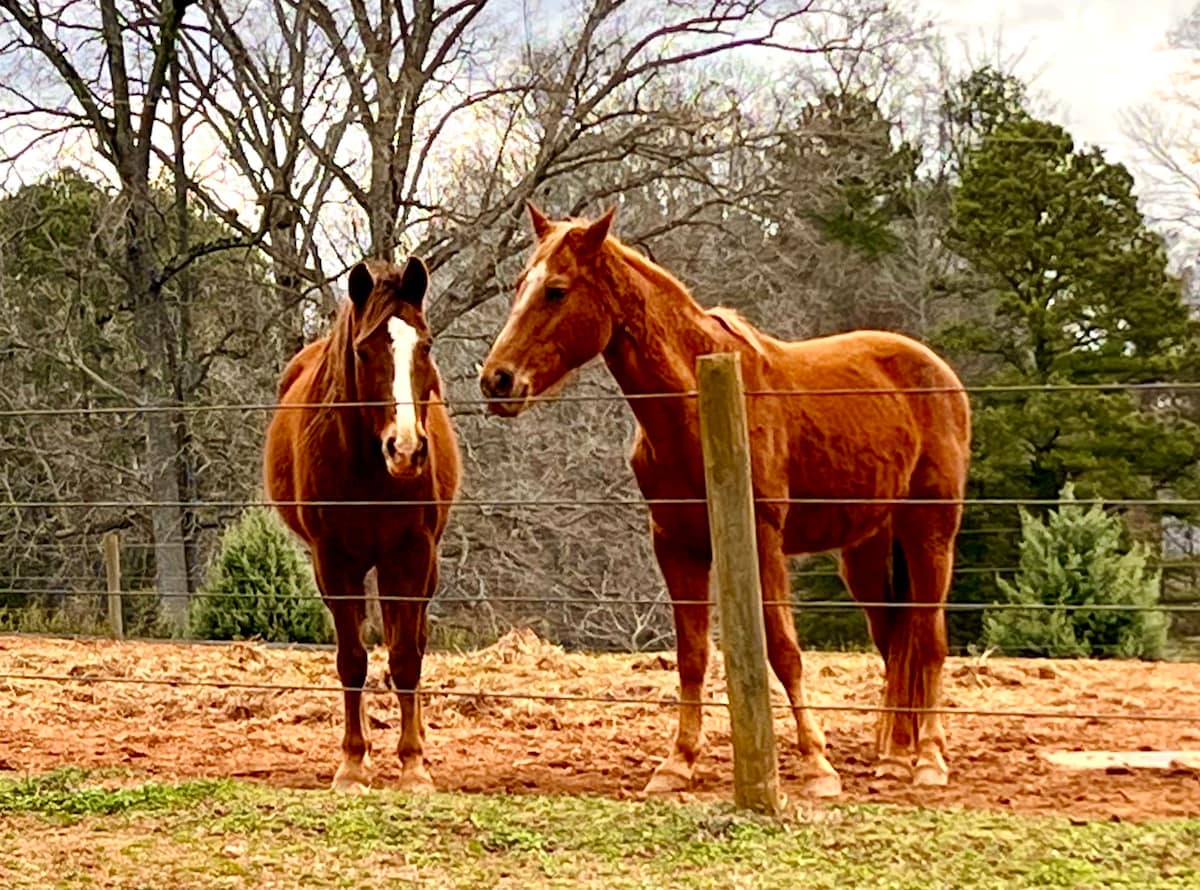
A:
1092, 58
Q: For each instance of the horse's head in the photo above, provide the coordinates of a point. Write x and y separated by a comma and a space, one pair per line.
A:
393, 368
562, 316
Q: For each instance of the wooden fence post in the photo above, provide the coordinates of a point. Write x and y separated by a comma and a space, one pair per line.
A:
729, 484
112, 573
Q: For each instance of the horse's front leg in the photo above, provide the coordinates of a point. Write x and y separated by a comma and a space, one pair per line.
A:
407, 580
341, 585
686, 574
783, 651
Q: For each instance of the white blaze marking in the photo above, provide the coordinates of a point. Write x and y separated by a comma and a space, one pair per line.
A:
533, 282
404, 341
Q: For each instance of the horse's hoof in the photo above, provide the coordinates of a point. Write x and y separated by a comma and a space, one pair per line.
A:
416, 781
350, 779
669, 778
350, 787
826, 785
928, 775
893, 768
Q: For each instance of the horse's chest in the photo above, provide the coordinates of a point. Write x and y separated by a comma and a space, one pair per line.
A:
377, 515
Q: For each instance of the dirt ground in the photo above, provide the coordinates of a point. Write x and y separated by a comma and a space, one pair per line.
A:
481, 743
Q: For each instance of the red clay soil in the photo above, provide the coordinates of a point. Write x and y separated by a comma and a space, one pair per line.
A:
481, 743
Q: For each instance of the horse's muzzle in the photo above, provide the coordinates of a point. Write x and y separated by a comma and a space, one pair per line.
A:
506, 392
404, 463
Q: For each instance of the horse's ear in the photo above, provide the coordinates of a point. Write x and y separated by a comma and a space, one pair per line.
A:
541, 225
594, 235
414, 281
361, 284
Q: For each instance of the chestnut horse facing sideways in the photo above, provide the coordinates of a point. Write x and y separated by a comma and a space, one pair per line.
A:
583, 293
399, 448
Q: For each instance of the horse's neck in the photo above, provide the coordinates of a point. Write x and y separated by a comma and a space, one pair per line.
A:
333, 384
655, 347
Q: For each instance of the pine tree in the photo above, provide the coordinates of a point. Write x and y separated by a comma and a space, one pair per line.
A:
1073, 560
1065, 284
260, 585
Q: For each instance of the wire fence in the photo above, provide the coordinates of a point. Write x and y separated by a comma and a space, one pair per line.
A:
597, 503
574, 698
487, 403
610, 600
479, 407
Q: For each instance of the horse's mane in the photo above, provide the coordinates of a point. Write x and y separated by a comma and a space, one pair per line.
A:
735, 323
729, 319
334, 380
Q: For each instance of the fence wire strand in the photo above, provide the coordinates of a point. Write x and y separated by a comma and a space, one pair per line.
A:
563, 697
596, 503
476, 403
599, 602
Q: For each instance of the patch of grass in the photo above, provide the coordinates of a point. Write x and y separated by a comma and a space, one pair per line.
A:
203, 834
72, 792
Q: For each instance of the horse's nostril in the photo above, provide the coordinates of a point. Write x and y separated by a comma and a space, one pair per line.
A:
422, 451
389, 446
502, 382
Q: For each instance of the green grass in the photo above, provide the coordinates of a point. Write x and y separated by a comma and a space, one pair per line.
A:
75, 829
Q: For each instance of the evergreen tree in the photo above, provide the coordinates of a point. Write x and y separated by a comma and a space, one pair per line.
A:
260, 585
1073, 559
1067, 285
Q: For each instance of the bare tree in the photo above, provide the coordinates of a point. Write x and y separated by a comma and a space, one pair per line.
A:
264, 93
431, 124
1166, 158
424, 128
109, 68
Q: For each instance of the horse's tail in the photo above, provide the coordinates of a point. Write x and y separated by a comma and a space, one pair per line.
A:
903, 655
899, 581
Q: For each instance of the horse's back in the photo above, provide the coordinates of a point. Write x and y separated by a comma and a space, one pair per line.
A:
902, 378
935, 396
892, 423
300, 362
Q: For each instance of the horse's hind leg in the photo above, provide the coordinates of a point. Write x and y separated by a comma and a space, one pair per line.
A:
342, 586
406, 581
783, 650
926, 538
686, 575
866, 570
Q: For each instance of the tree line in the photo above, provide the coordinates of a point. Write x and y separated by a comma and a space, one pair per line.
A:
186, 183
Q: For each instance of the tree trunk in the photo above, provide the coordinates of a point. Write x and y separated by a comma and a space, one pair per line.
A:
184, 376
285, 269
170, 554
152, 329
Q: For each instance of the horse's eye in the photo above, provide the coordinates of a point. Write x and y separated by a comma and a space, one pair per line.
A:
361, 355
555, 294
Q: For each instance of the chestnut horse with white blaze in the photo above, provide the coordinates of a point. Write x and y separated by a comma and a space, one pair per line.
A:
382, 435
865, 458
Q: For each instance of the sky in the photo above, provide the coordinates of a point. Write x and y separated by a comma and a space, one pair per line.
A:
1092, 58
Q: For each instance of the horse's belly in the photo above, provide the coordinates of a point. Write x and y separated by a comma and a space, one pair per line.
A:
815, 529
